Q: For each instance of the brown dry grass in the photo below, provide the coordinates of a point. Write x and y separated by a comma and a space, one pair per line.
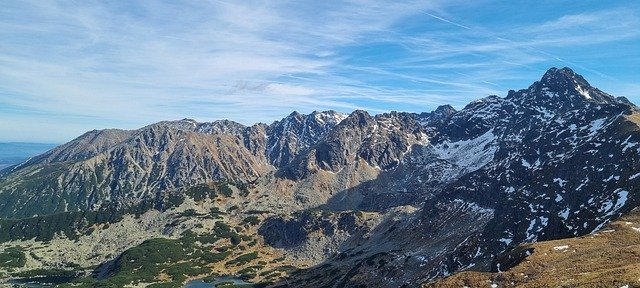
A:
608, 258
635, 118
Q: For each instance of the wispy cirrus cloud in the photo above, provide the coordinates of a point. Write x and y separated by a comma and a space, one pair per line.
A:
128, 64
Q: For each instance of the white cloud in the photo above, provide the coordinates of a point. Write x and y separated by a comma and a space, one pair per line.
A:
134, 63
285, 89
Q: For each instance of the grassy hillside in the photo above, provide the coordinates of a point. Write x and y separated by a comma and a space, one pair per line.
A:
609, 257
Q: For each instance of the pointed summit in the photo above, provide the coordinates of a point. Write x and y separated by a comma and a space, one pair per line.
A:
559, 88
554, 72
565, 80
445, 109
296, 115
358, 118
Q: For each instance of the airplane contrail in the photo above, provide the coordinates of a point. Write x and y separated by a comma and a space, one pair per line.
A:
448, 21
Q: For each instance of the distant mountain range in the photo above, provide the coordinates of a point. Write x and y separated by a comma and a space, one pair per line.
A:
348, 200
15, 152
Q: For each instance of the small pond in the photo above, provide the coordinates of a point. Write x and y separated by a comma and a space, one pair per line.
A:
40, 282
212, 282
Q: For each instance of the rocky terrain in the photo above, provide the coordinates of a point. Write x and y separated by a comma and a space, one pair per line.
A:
344, 200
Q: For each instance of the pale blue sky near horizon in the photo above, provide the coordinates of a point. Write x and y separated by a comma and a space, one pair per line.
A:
67, 67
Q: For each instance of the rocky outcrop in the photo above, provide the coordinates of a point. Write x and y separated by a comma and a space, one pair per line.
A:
381, 141
296, 133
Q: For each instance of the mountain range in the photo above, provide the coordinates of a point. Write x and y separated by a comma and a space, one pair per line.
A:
334, 200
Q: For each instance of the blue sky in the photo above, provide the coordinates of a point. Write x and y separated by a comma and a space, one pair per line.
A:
71, 66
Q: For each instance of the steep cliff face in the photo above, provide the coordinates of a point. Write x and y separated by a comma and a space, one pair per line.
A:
296, 133
381, 141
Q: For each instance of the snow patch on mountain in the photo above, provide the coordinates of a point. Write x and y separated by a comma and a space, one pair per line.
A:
330, 117
595, 126
564, 214
584, 92
470, 155
474, 207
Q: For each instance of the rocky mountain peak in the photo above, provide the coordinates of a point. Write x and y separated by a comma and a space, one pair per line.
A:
358, 118
566, 81
444, 110
432, 121
560, 89
564, 77
182, 124
330, 117
220, 127
296, 133
295, 115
